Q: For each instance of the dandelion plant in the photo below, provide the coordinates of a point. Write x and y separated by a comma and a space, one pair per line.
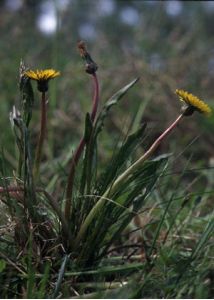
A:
42, 77
70, 231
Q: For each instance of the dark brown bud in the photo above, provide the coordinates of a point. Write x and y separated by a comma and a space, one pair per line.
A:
90, 66
82, 49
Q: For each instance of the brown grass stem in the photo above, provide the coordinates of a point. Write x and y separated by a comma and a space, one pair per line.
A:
15, 191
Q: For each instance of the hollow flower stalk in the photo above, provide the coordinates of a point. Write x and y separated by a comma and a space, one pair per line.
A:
42, 77
191, 104
90, 68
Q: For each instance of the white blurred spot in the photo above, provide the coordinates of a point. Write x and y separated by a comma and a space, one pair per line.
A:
47, 20
129, 16
87, 31
14, 4
105, 7
47, 23
173, 8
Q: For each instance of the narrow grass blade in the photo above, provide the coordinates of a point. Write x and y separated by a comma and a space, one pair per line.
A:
145, 180
124, 269
208, 231
86, 173
43, 283
166, 211
120, 158
60, 276
103, 234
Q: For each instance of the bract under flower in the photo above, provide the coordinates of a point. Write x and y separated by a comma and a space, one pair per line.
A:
192, 103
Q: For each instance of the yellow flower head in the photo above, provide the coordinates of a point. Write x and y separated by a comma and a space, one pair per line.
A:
42, 77
192, 103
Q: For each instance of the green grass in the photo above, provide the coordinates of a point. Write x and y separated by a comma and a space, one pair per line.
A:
144, 235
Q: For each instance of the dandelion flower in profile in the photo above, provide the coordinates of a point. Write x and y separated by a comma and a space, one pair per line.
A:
42, 77
192, 103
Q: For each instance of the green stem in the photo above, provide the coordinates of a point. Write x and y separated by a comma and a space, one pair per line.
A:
20, 163
41, 136
111, 190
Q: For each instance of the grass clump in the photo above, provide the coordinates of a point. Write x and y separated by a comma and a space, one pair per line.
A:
101, 229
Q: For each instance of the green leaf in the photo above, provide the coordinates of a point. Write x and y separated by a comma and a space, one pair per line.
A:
27, 95
120, 158
2, 265
140, 186
124, 269
88, 127
42, 289
117, 217
111, 102
89, 151
60, 276
204, 238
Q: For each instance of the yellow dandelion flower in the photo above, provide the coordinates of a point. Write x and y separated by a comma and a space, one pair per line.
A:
42, 77
192, 103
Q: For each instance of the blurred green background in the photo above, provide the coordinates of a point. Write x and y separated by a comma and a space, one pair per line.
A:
168, 44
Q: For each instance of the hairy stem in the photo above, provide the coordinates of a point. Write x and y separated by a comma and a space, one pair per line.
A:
79, 150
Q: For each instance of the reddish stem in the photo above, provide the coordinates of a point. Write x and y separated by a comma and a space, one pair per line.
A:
121, 179
79, 150
144, 157
162, 136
